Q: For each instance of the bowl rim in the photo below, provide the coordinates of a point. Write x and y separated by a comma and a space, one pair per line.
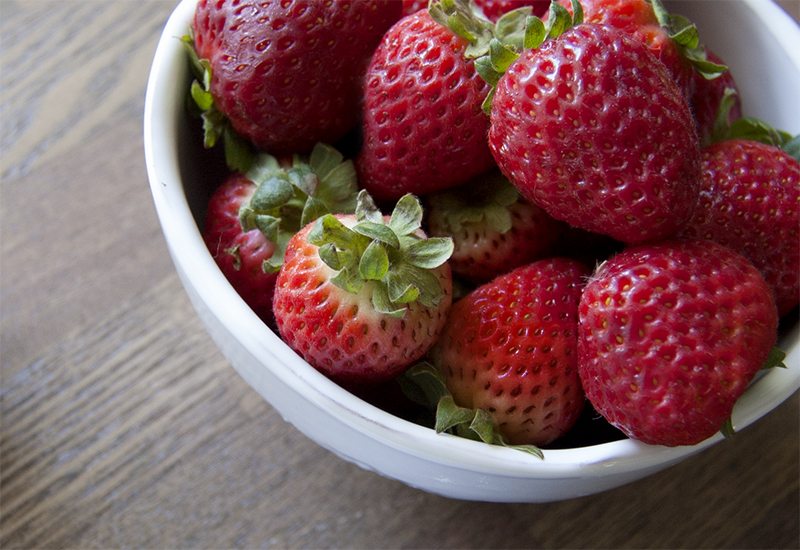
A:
190, 255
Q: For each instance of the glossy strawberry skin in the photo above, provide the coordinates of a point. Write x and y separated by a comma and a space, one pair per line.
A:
423, 127
569, 127
340, 334
670, 336
750, 202
287, 74
413, 6
637, 18
482, 253
510, 347
239, 254
494, 9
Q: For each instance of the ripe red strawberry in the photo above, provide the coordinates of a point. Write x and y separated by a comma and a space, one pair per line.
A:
750, 202
569, 127
413, 6
250, 217
510, 347
707, 100
493, 229
240, 254
670, 336
494, 9
423, 129
288, 74
362, 297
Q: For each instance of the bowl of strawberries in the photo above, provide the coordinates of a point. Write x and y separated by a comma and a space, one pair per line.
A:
514, 251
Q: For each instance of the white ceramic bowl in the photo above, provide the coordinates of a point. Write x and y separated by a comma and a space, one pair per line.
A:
767, 67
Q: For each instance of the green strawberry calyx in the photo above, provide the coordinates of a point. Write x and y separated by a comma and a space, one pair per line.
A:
239, 154
424, 384
485, 201
750, 128
392, 256
686, 37
287, 198
495, 46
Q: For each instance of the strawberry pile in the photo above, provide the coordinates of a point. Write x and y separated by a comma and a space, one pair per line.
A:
522, 213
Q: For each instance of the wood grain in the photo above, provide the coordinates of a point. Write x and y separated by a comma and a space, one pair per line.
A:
123, 426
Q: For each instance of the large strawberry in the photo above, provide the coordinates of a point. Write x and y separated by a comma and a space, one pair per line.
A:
362, 297
288, 74
423, 129
493, 229
590, 127
251, 216
750, 201
510, 348
670, 337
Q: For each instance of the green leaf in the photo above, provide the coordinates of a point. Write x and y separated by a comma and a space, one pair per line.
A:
535, 33
238, 152
268, 225
263, 167
374, 262
328, 229
430, 291
577, 12
301, 176
450, 415
485, 69
430, 253
407, 215
510, 28
792, 147
382, 304
378, 232
274, 262
272, 193
498, 218
202, 98
775, 359
348, 280
329, 255
757, 130
213, 127
501, 56
366, 209
727, 428
324, 159
313, 208
423, 384
558, 20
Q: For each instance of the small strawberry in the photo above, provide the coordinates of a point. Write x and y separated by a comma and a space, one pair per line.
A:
568, 126
286, 74
423, 129
670, 337
750, 202
493, 229
708, 98
510, 348
251, 216
363, 297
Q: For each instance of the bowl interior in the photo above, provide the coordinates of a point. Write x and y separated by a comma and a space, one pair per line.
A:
182, 176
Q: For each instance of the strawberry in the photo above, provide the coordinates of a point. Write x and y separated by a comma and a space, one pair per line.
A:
494, 9
670, 336
567, 124
708, 98
240, 254
750, 201
423, 129
413, 6
250, 217
510, 348
363, 297
287, 75
493, 229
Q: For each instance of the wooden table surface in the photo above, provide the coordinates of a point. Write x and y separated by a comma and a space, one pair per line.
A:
123, 426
